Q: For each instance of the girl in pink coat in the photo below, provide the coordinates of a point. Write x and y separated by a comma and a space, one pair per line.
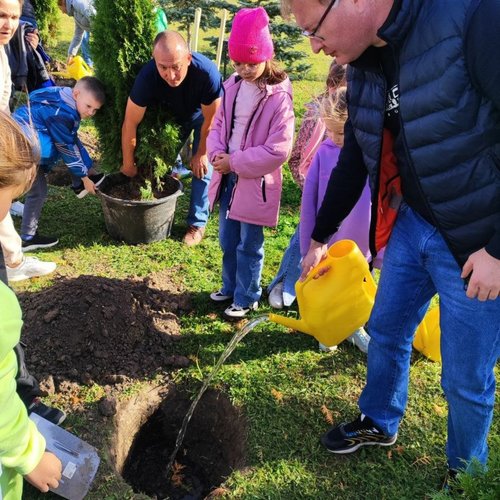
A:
249, 141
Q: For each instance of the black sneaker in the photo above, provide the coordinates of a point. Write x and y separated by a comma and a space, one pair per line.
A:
80, 190
348, 437
49, 413
39, 242
451, 484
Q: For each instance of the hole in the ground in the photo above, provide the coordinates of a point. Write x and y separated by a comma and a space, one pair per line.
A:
214, 445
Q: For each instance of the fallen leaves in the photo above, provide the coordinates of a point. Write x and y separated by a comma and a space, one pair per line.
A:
277, 395
177, 478
327, 414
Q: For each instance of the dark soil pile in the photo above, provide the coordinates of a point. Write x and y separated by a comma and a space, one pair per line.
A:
214, 445
130, 189
108, 331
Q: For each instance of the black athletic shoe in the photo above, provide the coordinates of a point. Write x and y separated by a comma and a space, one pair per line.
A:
47, 412
39, 242
451, 484
348, 437
80, 190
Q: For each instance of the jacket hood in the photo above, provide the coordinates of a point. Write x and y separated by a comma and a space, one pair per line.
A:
53, 96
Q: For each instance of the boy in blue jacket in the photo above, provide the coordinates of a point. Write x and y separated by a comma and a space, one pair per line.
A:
55, 114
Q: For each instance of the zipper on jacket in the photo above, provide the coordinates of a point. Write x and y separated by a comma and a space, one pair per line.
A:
263, 188
374, 209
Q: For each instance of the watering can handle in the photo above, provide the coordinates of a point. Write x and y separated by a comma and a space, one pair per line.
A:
313, 272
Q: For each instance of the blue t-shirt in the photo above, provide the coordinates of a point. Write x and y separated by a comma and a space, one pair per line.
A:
202, 85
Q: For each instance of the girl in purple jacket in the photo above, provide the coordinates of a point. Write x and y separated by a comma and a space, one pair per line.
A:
250, 139
333, 112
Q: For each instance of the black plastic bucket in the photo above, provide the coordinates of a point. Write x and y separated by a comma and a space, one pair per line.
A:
139, 221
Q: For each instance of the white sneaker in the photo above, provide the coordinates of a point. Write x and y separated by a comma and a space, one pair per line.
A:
218, 296
30, 267
360, 339
276, 296
325, 348
238, 312
17, 209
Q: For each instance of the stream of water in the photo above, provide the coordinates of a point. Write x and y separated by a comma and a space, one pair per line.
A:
238, 336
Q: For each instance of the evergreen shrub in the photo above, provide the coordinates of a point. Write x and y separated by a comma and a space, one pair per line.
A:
123, 33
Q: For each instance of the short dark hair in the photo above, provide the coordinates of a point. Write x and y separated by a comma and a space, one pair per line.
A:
95, 86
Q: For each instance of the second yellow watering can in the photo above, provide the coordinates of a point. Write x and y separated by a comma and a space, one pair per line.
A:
336, 304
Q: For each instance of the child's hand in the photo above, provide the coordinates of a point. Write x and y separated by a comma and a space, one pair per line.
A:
315, 254
46, 474
89, 185
221, 163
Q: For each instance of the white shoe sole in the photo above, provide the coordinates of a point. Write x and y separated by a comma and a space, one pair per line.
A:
30, 248
359, 445
240, 314
220, 298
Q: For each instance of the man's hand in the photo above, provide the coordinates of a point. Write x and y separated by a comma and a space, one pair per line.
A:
199, 165
484, 271
221, 163
129, 170
88, 185
314, 256
46, 474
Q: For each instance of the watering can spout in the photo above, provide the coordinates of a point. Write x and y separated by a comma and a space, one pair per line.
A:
292, 323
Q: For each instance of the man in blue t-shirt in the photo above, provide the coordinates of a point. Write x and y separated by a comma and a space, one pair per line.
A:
189, 85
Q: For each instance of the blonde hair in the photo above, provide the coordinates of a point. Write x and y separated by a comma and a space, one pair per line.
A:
19, 155
333, 108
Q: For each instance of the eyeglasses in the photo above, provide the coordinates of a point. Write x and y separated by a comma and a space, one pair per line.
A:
312, 34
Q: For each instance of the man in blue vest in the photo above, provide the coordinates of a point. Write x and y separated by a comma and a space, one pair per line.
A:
190, 86
424, 126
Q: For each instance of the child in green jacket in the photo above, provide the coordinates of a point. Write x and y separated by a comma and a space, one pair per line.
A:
22, 447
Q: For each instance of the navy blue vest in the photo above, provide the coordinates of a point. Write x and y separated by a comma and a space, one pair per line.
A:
450, 132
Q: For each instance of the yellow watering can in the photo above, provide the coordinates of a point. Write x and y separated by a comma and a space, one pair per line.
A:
76, 69
428, 336
337, 303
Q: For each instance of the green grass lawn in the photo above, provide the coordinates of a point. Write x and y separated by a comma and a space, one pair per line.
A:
288, 390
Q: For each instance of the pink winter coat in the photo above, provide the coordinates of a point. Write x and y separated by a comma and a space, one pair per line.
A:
265, 146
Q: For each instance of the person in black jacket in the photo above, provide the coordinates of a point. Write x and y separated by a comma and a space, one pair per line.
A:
26, 55
424, 126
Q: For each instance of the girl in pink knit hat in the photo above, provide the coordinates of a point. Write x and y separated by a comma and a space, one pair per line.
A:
249, 141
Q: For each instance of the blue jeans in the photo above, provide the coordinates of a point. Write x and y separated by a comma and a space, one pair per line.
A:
243, 252
198, 204
86, 49
417, 264
290, 270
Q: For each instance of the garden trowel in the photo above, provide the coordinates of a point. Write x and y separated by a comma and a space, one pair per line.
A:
79, 459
